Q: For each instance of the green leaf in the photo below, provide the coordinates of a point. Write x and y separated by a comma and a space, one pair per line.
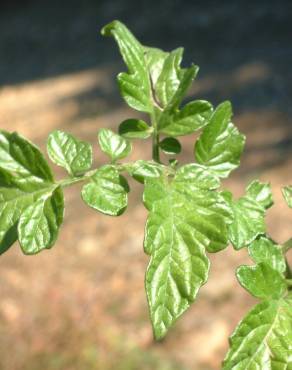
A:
135, 86
261, 193
107, 191
170, 145
262, 281
24, 177
249, 220
189, 119
115, 146
39, 224
134, 129
141, 170
154, 61
170, 77
68, 152
184, 221
264, 250
186, 79
220, 144
23, 159
263, 338
287, 193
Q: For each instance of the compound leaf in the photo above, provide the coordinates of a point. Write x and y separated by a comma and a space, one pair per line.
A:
135, 86
189, 119
182, 224
39, 224
262, 281
264, 250
68, 152
134, 129
263, 338
115, 146
220, 145
107, 191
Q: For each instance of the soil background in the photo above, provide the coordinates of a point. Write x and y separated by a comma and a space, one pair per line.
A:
81, 305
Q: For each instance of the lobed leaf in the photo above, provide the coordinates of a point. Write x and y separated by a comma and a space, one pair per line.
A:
264, 250
186, 79
249, 220
262, 281
263, 338
134, 86
220, 145
181, 226
154, 59
261, 193
189, 119
107, 191
113, 145
170, 77
68, 152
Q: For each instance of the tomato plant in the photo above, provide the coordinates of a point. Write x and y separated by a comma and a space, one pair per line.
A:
190, 215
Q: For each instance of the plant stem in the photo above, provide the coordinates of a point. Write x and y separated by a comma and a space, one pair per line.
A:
287, 245
155, 139
289, 282
74, 180
288, 270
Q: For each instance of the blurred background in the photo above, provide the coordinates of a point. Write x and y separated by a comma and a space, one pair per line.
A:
82, 306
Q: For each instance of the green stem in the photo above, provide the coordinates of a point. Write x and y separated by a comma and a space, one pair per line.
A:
289, 282
288, 270
74, 180
155, 139
287, 245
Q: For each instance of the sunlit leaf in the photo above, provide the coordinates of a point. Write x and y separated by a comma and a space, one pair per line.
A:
39, 224
134, 86
106, 192
115, 146
183, 223
262, 281
68, 152
263, 338
264, 250
220, 144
